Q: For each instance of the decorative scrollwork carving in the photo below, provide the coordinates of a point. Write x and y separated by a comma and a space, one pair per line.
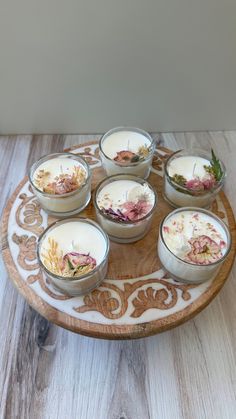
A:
27, 251
160, 156
114, 305
30, 211
91, 157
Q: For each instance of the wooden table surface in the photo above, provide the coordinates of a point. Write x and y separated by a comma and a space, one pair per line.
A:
48, 373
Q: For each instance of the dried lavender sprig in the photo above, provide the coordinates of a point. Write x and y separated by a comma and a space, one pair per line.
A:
116, 215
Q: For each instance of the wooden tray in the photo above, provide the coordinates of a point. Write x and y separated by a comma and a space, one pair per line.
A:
138, 298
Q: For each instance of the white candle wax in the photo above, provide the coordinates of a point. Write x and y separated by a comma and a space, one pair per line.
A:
116, 142
201, 186
130, 199
75, 238
52, 178
192, 244
188, 166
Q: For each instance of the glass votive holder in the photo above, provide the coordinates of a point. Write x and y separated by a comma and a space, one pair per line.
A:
193, 244
125, 207
73, 254
61, 183
125, 150
193, 178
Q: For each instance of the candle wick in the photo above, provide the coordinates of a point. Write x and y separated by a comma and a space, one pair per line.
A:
194, 167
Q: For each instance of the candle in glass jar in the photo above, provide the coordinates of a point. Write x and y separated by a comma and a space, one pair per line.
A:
124, 207
193, 244
193, 178
127, 150
61, 182
74, 255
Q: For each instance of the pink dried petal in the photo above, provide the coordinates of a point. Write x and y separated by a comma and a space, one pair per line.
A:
63, 185
79, 259
204, 250
195, 184
222, 244
209, 181
124, 156
135, 211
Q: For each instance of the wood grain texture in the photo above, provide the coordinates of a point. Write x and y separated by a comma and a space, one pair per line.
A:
47, 372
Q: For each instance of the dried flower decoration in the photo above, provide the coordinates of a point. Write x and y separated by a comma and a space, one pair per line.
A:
204, 251
77, 264
53, 257
215, 168
179, 179
213, 175
130, 211
144, 151
140, 193
64, 183
124, 156
42, 178
127, 156
136, 210
145, 196
72, 264
114, 214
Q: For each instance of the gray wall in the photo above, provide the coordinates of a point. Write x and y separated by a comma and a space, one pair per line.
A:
79, 66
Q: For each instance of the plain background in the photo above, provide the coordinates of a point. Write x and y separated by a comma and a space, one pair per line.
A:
77, 66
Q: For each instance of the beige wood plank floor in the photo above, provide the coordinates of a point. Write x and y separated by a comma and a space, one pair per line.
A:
49, 373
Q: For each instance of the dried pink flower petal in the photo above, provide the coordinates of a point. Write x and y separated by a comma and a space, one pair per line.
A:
209, 181
222, 244
124, 156
136, 210
77, 260
195, 184
62, 185
204, 250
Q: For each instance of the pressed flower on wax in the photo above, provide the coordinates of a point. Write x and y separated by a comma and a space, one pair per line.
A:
127, 150
124, 206
72, 264
193, 178
61, 182
74, 253
193, 244
64, 179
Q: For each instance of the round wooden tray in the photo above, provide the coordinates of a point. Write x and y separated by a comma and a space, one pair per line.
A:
138, 298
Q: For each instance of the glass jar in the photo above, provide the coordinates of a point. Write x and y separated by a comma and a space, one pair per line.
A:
176, 193
65, 204
187, 271
119, 150
91, 238
125, 230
